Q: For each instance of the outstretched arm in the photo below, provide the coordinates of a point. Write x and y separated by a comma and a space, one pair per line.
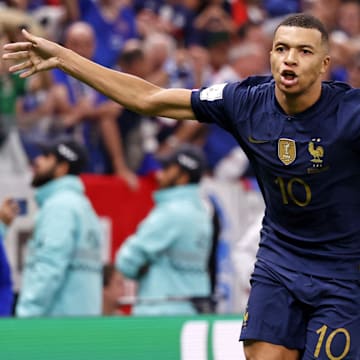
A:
38, 54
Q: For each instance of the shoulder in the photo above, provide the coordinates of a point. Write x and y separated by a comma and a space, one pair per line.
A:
252, 87
215, 91
342, 93
259, 81
340, 89
64, 199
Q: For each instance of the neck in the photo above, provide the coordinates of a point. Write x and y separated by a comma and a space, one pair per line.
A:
297, 103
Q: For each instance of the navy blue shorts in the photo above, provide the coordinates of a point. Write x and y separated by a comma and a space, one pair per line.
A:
318, 316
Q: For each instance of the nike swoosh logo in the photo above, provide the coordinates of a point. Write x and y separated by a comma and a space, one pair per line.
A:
254, 141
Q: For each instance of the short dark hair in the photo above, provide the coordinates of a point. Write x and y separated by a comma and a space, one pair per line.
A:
306, 21
190, 158
67, 150
128, 57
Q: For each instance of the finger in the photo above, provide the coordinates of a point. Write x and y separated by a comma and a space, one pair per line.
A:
27, 73
22, 66
19, 55
18, 46
28, 36
26, 70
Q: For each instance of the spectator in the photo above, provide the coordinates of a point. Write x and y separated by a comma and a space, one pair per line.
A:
113, 290
79, 105
226, 160
12, 155
324, 10
62, 275
349, 18
174, 17
354, 71
169, 253
170, 67
132, 60
113, 20
276, 8
8, 211
35, 113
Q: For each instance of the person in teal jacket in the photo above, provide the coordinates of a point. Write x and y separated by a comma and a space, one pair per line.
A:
63, 269
169, 253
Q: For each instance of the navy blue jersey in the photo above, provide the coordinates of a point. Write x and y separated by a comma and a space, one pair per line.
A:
308, 169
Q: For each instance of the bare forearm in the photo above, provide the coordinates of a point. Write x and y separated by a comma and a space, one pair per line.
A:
38, 54
130, 91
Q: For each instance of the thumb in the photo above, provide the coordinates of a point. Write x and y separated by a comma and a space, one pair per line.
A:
28, 36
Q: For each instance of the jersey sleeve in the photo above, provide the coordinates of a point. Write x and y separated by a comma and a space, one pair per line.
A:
215, 104
228, 104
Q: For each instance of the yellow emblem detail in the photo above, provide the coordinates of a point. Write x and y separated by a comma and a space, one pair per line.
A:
246, 316
316, 151
286, 150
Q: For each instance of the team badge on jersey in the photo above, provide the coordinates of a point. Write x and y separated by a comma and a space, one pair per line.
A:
286, 150
316, 151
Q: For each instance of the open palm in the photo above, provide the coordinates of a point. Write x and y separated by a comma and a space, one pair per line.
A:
34, 55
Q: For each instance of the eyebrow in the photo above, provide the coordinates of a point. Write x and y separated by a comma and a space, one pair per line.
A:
297, 46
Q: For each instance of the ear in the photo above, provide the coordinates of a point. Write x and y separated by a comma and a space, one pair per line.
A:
62, 169
184, 178
325, 64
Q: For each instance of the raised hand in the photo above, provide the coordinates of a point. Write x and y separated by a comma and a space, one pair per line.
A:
32, 56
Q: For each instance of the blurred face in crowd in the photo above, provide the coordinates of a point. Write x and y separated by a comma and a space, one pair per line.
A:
132, 59
349, 17
44, 169
354, 72
249, 59
170, 176
19, 4
325, 10
114, 290
298, 61
80, 38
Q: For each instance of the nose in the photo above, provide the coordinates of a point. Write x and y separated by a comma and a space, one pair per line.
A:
291, 57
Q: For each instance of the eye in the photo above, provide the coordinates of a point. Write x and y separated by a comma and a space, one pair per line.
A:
306, 51
280, 49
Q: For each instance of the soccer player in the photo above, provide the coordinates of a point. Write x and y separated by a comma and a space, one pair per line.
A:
302, 136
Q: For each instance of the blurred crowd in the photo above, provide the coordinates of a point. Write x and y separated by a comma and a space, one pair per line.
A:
172, 43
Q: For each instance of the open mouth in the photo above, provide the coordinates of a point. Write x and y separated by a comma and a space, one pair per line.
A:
288, 75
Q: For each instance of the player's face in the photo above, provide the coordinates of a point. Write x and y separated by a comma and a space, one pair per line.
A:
298, 60
115, 289
44, 169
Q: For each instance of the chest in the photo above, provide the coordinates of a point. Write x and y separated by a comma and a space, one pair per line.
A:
298, 146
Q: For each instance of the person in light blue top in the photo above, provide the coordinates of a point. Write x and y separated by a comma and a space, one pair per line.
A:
63, 269
169, 253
